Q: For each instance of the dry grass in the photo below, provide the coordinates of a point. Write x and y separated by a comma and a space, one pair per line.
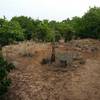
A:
33, 81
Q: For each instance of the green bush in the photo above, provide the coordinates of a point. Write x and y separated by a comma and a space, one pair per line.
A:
5, 68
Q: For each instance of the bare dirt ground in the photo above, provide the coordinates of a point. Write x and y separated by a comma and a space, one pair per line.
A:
33, 81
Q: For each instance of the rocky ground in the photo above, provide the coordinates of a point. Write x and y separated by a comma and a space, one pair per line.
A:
33, 81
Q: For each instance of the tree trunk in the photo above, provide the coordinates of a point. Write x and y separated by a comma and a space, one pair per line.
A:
53, 53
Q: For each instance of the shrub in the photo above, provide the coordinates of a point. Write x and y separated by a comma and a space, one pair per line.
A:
45, 61
5, 68
65, 59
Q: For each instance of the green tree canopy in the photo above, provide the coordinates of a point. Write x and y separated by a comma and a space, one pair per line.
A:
10, 31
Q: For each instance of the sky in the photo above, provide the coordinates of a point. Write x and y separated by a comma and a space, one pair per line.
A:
46, 9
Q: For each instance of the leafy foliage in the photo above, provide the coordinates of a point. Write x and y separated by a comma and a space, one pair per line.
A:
5, 68
27, 24
26, 28
10, 31
91, 23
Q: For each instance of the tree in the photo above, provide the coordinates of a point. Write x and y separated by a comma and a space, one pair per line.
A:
27, 24
90, 24
10, 31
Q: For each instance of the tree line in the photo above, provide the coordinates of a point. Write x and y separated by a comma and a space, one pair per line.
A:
25, 28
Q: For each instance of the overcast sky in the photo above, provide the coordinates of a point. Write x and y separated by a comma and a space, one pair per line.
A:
46, 9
